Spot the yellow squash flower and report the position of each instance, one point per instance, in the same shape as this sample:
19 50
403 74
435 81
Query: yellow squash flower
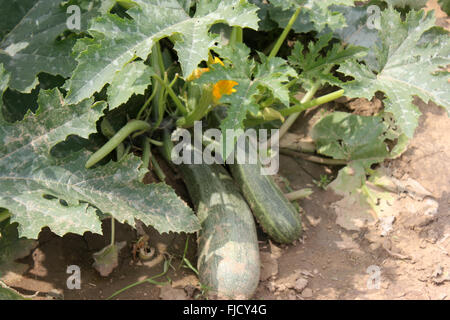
223 87
199 71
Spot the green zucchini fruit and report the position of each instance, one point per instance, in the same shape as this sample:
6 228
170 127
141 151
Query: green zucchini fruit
228 252
275 214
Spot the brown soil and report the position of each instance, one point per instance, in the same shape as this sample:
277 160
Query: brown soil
413 258
329 262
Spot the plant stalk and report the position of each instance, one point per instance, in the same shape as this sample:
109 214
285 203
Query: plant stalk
130 127
148 157
284 34
172 94
113 230
4 215
237 35
298 108
291 119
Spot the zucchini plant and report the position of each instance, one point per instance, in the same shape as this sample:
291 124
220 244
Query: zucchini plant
82 111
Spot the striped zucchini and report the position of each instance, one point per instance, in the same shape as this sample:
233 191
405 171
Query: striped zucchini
228 252
276 215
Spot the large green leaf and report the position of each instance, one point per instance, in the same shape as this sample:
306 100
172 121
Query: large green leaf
351 137
16 11
315 66
357 31
410 61
31 45
134 78
29 175
118 41
361 141
271 74
315 15
4 81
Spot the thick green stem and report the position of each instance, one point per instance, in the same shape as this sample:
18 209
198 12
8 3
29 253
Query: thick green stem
157 169
172 94
200 110
4 215
298 108
162 101
158 66
156 143
291 119
113 231
148 157
130 127
146 104
158 59
146 153
313 103
285 33
237 35
109 132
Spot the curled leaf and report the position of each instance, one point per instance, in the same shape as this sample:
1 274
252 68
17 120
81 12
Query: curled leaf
107 259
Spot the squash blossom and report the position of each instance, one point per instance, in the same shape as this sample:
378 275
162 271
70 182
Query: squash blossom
199 71
223 87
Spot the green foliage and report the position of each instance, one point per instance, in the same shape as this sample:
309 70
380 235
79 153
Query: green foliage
119 40
252 78
351 137
316 66
28 173
134 78
31 44
315 15
57 85
415 48
359 140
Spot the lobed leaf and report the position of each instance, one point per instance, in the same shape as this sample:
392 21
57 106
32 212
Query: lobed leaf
315 15
351 137
407 49
118 41
40 190
316 66
31 45
134 78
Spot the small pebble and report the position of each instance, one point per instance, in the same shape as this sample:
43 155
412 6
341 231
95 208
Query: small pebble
300 284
